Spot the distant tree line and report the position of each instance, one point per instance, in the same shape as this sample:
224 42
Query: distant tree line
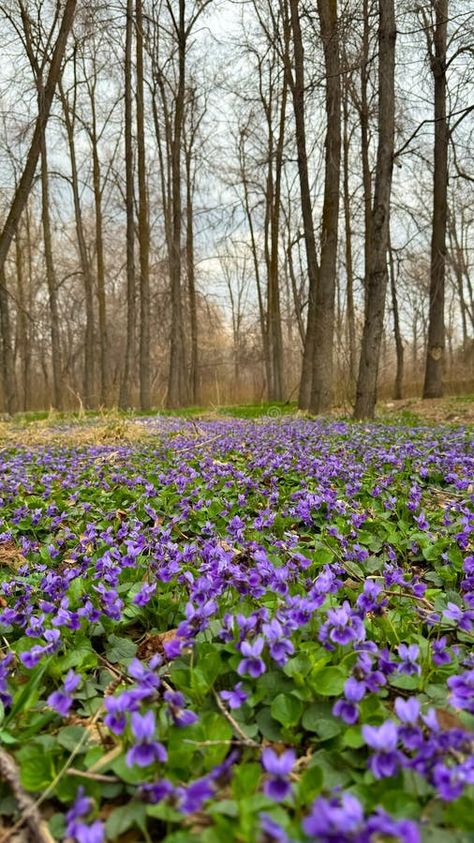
202 201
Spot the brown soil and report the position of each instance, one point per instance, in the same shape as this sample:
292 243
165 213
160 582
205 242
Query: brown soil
450 410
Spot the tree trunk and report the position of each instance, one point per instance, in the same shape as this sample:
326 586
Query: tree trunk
176 379
297 86
124 398
398 383
24 185
256 266
22 324
190 273
89 356
143 224
275 337
100 262
56 354
323 359
433 385
351 335
376 272
364 135
7 357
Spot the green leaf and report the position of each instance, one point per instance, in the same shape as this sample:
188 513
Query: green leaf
125 817
310 785
228 807
287 709
328 682
120 649
353 737
326 727
267 725
70 738
245 780
407 683
36 769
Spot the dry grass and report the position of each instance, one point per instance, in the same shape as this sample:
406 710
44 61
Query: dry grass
106 429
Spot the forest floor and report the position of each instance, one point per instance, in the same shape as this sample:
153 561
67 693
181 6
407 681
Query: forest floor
238 625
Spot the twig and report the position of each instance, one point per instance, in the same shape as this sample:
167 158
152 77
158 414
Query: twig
30 815
30 810
245 738
94 777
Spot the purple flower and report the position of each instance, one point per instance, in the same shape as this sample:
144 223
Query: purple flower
81 832
252 664
145 594
347 708
462 691
61 700
384 739
146 750
381 823
145 678
271 831
234 698
279 646
277 786
334 819
368 600
463 619
408 711
342 626
192 797
408 655
340 819
115 719
157 791
180 716
441 654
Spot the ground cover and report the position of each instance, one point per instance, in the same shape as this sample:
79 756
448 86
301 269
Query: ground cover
238 629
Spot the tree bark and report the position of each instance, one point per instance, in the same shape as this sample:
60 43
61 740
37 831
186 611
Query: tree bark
433 385
24 185
176 379
124 397
323 357
398 383
143 223
99 249
56 353
350 314
7 357
364 135
376 271
86 270
275 337
190 273
297 85
22 324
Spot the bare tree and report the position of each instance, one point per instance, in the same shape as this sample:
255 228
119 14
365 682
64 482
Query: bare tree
376 274
323 351
437 46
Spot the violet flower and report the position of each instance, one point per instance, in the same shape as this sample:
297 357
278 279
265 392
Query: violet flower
76 829
61 700
146 750
252 664
347 708
408 655
178 713
384 739
277 785
234 698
